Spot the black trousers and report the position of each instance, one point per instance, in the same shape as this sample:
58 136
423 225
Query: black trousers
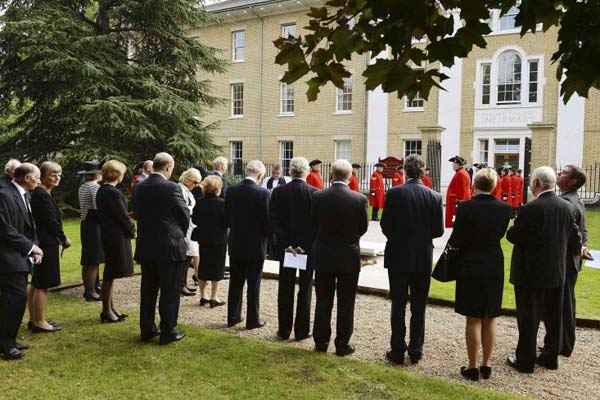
533 306
375 214
240 273
165 277
326 285
569 320
405 285
13 301
285 302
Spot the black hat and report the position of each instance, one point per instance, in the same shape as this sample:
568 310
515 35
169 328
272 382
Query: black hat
355 165
315 162
458 159
379 164
90 168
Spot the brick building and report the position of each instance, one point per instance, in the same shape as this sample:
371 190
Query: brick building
501 106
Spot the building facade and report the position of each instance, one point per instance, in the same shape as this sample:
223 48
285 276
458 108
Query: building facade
501 105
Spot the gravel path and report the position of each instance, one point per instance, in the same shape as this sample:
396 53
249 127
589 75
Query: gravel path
444 353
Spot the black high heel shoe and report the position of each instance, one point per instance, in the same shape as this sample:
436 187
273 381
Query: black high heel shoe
119 315
485 372
471 374
204 301
105 320
215 303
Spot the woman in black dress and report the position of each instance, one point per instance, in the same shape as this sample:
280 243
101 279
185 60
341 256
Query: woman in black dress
478 229
51 236
211 235
117 230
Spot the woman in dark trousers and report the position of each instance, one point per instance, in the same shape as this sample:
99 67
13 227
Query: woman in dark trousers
51 237
117 230
211 235
479 226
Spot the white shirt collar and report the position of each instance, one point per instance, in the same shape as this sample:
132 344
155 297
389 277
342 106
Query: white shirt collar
340 182
20 189
545 191
251 178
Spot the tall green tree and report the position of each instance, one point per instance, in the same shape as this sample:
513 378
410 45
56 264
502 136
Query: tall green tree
347 27
105 78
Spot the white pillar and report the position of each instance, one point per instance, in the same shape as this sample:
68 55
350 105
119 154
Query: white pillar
377 125
570 131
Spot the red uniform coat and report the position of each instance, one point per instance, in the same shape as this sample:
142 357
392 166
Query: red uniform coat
505 183
314 179
497 193
458 190
398 179
353 184
427 181
377 190
517 189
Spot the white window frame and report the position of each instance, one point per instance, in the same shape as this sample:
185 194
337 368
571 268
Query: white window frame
419 147
484 150
339 154
530 82
284 33
235 56
512 13
511 74
232 87
286 98
343 94
520 135
411 105
285 161
233 151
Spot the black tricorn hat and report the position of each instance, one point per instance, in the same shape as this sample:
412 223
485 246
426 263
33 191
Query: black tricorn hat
315 162
90 168
379 164
458 159
355 165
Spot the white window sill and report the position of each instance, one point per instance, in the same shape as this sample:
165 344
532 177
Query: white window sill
345 112
237 61
236 116
414 109
286 115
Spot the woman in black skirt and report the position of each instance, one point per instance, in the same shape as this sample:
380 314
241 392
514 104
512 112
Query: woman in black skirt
117 230
211 235
51 236
92 254
478 229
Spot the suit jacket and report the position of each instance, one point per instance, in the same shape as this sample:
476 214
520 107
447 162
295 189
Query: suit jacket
411 218
574 260
247 211
290 215
224 180
163 219
544 233
479 226
48 219
211 223
340 216
17 232
113 215
4 181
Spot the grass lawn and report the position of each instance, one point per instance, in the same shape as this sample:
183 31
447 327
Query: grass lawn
588 283
92 361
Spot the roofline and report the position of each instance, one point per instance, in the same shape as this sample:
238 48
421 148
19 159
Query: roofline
224 7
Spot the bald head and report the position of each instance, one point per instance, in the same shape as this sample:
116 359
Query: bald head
163 163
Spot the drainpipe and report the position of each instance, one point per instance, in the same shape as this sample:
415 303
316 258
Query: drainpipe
365 117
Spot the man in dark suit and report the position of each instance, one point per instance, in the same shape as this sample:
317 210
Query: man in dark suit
17 253
9 172
544 234
290 215
340 216
163 219
247 212
570 180
412 218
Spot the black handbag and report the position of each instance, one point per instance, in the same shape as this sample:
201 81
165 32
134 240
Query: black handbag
446 269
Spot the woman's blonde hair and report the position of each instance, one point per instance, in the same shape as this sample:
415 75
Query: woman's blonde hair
190 174
113 170
485 180
212 184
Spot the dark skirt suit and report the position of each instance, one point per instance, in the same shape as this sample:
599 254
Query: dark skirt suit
479 226
91 242
117 230
211 235
50 232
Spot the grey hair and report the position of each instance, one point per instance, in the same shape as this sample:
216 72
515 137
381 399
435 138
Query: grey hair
341 170
299 167
255 168
220 162
545 176
161 161
49 167
11 165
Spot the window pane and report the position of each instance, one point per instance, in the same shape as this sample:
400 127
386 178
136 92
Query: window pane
412 147
344 96
415 102
238 39
508 21
484 145
343 150
286 153
507 145
236 156
237 99
288 30
509 77
287 99
485 83
533 81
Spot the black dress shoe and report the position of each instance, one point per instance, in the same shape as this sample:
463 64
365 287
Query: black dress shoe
415 358
146 337
344 351
512 362
22 346
485 372
172 337
545 362
187 293
91 298
216 303
321 348
394 359
302 337
233 323
259 324
37 329
282 336
471 374
12 354
119 315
